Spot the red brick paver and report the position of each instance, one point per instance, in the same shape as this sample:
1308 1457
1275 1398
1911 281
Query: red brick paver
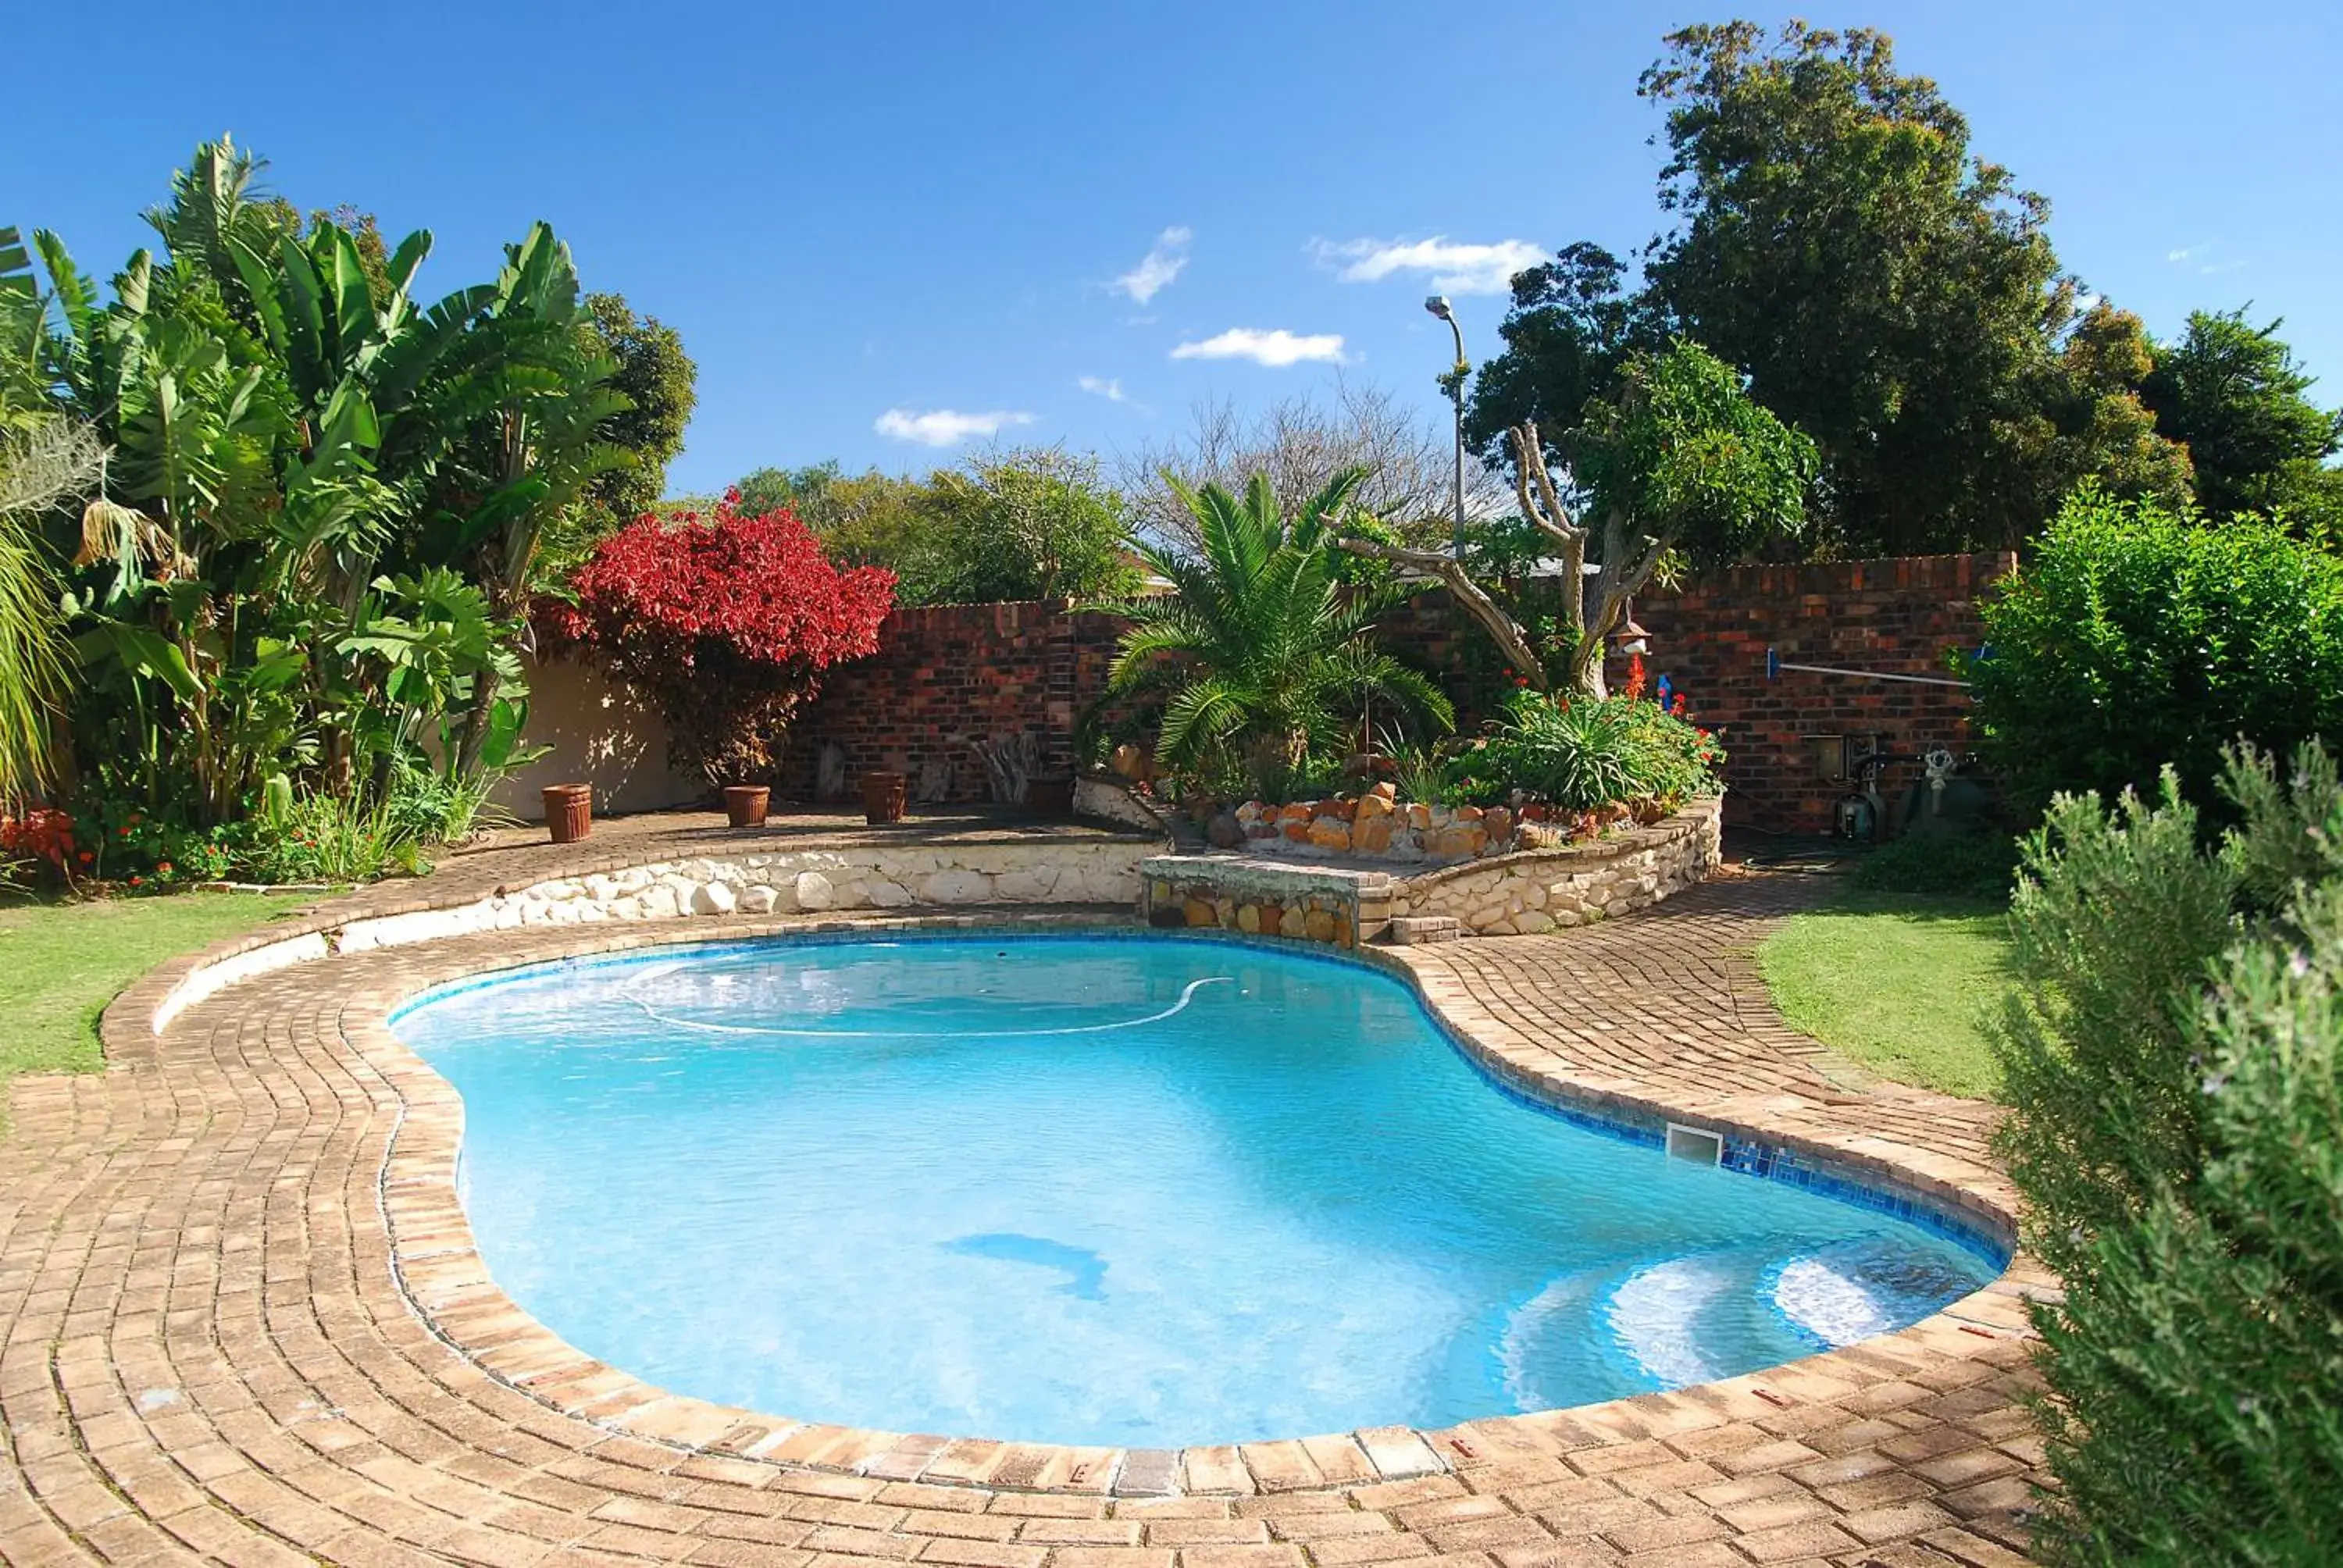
244 1324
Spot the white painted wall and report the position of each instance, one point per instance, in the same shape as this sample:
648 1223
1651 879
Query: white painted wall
601 734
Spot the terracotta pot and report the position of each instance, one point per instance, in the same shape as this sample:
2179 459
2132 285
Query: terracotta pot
882 797
568 811
1050 796
744 804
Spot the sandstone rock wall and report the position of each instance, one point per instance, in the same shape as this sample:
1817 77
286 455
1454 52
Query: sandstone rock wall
1543 890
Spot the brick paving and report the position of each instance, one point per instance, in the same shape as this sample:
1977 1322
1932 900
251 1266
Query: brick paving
243 1323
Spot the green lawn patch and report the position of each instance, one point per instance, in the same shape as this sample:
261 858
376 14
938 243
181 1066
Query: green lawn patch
1898 982
60 963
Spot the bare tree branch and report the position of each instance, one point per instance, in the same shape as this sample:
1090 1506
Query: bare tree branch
1300 444
1509 634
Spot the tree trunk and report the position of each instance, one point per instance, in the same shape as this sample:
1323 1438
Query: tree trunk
475 733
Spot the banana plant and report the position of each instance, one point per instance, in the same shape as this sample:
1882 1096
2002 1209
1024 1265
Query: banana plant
324 501
433 637
546 399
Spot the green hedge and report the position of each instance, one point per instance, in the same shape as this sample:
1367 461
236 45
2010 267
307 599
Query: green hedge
2136 638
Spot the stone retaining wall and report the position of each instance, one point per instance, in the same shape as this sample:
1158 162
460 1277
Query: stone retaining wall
1234 893
1505 895
1540 889
1054 870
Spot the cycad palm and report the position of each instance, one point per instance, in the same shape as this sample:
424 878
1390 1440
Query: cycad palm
1261 653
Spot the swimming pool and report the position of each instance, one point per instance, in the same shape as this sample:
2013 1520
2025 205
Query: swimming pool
1136 1191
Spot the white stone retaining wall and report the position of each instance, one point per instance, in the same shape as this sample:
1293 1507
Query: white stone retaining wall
1541 890
804 881
1055 870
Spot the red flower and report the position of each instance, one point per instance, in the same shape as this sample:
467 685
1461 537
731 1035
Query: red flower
164 869
138 881
84 856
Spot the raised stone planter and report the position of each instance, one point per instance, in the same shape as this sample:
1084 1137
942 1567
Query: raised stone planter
1542 890
1234 893
1376 826
1526 891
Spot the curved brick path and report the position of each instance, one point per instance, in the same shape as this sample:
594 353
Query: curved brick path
208 1356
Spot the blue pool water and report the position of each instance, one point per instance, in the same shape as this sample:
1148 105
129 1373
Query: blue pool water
1133 1190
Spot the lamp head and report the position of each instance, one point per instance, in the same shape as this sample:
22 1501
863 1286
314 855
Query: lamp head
1438 305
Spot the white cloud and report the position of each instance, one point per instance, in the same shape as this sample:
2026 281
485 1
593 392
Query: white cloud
1097 387
1277 349
2204 258
1158 267
944 427
1454 268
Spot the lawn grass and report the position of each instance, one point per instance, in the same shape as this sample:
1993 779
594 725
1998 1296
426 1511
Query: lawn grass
60 963
1897 983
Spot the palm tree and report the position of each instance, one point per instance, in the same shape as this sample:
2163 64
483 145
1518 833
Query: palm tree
1264 656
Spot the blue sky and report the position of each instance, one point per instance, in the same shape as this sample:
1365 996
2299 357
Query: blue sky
881 226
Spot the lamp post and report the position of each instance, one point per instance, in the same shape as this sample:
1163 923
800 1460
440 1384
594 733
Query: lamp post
1438 305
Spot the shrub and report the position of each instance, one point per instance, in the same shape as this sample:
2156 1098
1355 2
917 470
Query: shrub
2138 637
1262 659
1584 753
2175 1065
1960 865
326 837
726 624
1028 524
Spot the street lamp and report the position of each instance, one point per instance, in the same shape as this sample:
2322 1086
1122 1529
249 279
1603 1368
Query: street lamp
1438 305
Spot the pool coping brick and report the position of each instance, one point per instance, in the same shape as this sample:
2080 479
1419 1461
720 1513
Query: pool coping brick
244 1319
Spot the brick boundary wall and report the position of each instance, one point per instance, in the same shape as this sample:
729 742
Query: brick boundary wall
947 676
1897 615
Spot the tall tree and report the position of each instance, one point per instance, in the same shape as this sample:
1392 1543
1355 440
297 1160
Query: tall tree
1567 337
1677 465
2234 395
805 491
1885 291
659 382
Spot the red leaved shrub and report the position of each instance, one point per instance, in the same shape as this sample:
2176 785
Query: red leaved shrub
726 624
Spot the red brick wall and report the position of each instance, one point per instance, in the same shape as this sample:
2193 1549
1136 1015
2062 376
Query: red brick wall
950 675
1896 616
947 676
